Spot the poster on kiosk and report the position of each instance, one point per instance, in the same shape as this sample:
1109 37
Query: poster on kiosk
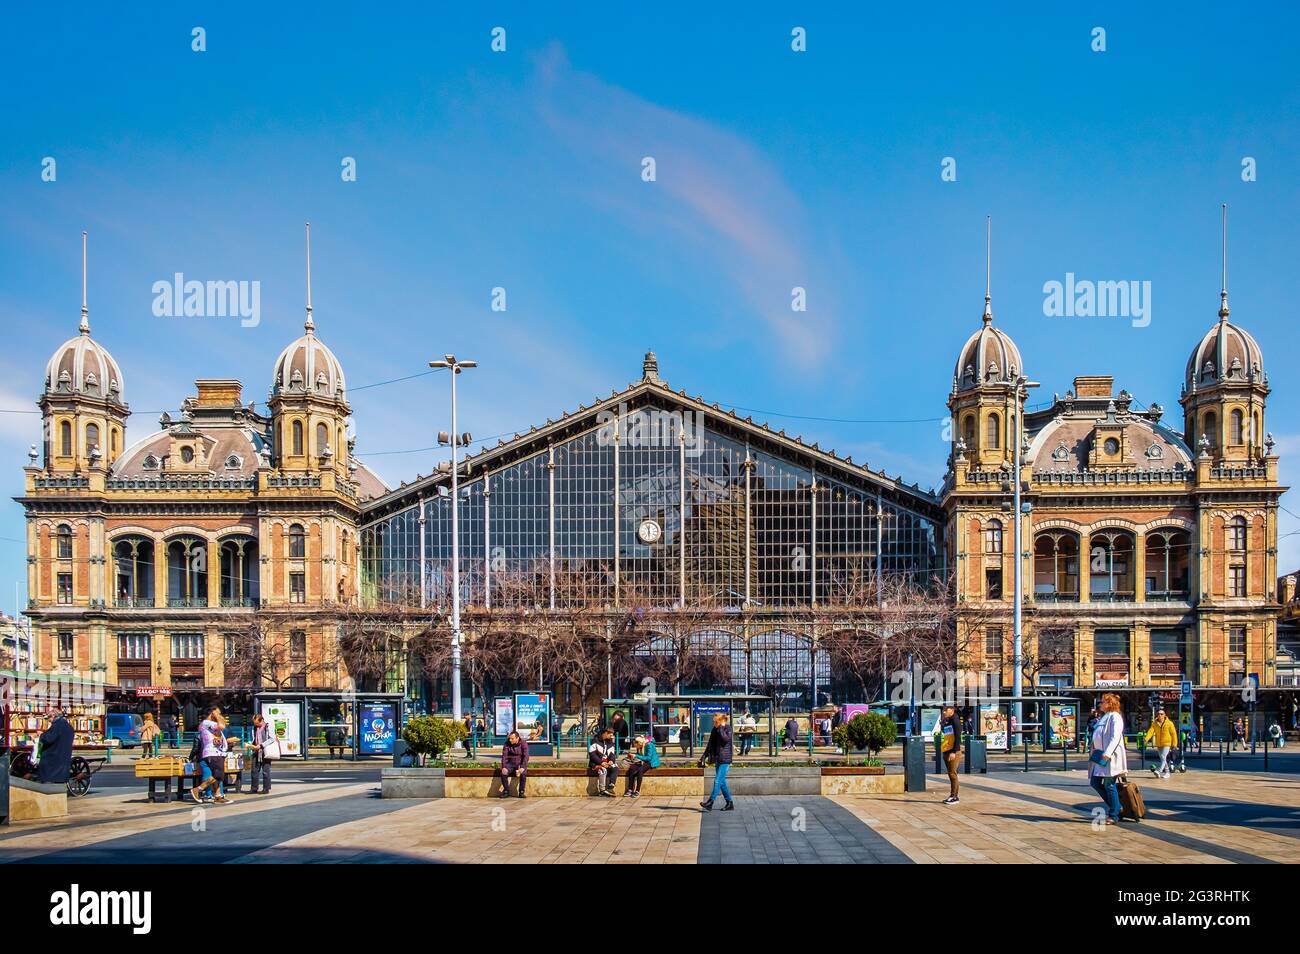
285 720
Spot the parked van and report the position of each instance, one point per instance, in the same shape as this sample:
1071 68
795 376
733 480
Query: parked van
125 727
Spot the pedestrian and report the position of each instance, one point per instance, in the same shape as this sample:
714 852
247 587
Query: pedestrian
514 761
747 725
602 761
1239 733
718 751
337 738
265 748
149 735
212 743
645 756
684 739
169 728
1275 733
469 728
791 733
1108 760
621 731
55 750
950 746
1164 737
557 727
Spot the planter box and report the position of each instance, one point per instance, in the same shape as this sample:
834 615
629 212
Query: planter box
770 780
666 781
412 783
569 782
860 780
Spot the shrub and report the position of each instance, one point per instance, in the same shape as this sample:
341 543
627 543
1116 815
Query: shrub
872 731
429 736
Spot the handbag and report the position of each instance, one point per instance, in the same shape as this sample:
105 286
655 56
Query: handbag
271 749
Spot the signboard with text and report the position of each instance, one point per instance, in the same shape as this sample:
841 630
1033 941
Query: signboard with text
376 728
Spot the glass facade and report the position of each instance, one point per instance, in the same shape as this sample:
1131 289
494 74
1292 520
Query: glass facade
657 510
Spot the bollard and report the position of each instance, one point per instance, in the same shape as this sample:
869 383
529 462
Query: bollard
1265 753
1065 758
1220 755
1025 741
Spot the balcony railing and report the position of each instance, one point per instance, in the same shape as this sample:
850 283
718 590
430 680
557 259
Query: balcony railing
133 602
1056 596
1112 596
187 602
1166 596
228 601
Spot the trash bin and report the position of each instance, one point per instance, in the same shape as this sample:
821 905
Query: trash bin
914 762
403 757
977 755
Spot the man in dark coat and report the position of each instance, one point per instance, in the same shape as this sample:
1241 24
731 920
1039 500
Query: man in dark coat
56 750
514 761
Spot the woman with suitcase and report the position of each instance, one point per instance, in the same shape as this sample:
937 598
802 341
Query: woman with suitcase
1108 760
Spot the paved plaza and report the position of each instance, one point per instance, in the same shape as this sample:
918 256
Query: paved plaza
335 815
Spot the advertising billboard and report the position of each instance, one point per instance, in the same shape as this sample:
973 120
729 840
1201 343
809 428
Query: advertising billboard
285 719
993 726
376 728
1062 725
533 716
503 716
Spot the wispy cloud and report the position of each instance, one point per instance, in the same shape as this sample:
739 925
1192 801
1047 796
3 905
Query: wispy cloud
721 200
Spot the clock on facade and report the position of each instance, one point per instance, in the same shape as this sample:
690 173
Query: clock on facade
649 531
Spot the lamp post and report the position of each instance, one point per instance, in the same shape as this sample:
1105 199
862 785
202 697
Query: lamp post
455 439
1017 648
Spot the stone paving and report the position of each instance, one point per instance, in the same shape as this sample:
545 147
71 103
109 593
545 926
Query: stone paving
1003 817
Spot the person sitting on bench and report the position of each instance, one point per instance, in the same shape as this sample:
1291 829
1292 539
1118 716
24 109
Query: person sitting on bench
602 761
514 761
645 756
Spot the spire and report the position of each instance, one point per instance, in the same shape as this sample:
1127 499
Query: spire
85 312
650 368
988 258
1223 292
309 324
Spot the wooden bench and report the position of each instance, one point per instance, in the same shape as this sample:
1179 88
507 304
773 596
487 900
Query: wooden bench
167 769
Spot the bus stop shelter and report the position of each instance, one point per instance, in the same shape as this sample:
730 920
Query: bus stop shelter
662 718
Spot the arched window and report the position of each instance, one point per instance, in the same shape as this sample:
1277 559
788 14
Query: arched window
134 559
297 542
65 439
1056 566
92 437
239 566
112 442
1237 533
65 542
297 438
968 431
1110 563
993 536
322 439
994 435
1168 556
1236 431
1210 427
187 572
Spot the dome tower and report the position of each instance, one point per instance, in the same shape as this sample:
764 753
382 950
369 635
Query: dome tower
81 405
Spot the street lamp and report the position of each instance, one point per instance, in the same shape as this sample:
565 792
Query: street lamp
455 440
1019 437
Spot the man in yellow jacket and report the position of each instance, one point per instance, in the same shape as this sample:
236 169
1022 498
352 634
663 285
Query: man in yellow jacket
1163 736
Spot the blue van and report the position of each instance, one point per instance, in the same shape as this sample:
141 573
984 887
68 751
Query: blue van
125 727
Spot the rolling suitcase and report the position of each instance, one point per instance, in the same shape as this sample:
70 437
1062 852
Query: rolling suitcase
1130 799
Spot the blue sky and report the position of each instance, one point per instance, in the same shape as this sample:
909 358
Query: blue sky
522 170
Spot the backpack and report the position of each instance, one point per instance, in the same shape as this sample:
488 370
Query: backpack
196 750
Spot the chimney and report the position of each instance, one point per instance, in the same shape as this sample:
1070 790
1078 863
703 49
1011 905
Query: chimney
1093 386
218 392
